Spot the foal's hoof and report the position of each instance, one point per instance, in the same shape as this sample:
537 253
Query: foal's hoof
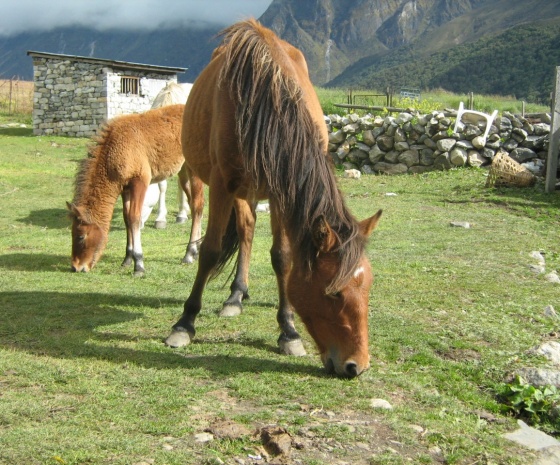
139 273
160 224
181 219
229 310
188 259
293 347
178 339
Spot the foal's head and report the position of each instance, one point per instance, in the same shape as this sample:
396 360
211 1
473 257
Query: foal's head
88 240
337 319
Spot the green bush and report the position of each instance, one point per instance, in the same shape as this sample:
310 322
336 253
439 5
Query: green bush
537 405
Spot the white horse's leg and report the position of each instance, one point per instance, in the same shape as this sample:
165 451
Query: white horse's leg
183 204
161 219
150 200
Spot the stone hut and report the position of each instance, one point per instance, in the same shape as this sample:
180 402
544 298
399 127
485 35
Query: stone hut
74 94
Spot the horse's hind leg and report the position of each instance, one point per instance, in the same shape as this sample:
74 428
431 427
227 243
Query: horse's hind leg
182 203
161 218
289 341
195 193
150 199
221 205
245 219
133 198
126 216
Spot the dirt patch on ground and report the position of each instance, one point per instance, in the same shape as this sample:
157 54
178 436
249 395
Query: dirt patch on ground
322 437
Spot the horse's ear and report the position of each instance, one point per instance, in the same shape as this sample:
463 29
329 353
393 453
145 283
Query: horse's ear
369 224
74 211
323 236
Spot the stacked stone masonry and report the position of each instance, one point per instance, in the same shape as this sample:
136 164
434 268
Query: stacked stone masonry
413 143
73 98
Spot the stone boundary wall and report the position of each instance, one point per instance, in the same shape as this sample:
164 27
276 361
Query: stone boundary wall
414 143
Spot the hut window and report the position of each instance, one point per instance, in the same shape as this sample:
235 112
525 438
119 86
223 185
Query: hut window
129 85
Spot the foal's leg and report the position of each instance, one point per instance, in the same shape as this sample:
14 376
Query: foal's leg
133 198
289 341
221 205
126 215
245 218
196 200
161 218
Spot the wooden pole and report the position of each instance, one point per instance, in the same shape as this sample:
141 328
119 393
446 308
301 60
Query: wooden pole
10 104
554 142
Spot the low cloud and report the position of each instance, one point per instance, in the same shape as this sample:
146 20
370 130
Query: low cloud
36 15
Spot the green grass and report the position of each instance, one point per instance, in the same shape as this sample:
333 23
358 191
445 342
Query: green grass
86 379
430 100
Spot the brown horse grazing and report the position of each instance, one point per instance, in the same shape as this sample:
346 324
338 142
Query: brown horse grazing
131 152
254 129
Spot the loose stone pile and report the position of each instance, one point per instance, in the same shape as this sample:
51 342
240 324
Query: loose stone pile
414 143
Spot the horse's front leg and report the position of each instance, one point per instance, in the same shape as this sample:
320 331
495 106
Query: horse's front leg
245 220
289 341
133 199
221 208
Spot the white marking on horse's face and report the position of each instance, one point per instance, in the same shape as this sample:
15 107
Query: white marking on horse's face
359 271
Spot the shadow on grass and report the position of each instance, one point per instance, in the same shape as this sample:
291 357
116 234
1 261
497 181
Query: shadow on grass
58 218
35 262
52 218
65 325
18 132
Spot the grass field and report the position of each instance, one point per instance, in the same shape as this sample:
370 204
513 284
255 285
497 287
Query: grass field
16 97
86 379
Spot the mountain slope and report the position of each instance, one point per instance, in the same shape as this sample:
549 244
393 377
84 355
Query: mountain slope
459 45
182 47
489 46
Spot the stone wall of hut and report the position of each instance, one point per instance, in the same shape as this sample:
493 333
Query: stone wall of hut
72 98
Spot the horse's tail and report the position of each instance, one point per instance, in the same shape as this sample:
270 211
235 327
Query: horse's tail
230 245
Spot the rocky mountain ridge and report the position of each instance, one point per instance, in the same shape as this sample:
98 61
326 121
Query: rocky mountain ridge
358 43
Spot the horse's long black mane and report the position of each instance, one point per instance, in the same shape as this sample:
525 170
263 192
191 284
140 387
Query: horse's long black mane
282 146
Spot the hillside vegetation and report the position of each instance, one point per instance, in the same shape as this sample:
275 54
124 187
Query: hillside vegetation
519 62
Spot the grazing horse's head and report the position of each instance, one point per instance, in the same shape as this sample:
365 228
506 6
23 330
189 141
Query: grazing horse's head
336 318
88 240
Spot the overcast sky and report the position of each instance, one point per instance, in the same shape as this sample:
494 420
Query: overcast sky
40 15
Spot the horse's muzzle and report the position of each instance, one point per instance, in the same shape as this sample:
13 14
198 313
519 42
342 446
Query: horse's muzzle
79 268
348 369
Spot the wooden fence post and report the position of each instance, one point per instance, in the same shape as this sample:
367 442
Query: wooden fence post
554 142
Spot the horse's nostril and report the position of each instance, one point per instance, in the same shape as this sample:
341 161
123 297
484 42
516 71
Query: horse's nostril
351 369
73 268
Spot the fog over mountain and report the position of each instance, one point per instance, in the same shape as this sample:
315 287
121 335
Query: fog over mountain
507 47
32 16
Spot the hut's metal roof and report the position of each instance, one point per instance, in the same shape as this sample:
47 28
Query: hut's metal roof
111 63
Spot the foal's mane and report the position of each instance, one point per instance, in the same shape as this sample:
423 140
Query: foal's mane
282 145
84 183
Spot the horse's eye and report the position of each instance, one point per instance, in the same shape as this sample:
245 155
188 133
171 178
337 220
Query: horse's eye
335 295
82 238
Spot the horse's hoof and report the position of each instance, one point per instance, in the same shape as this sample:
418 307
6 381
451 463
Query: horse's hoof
229 310
293 347
181 219
160 224
188 259
127 261
178 339
139 273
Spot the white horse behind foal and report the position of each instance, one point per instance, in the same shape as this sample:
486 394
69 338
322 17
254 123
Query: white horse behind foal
171 94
